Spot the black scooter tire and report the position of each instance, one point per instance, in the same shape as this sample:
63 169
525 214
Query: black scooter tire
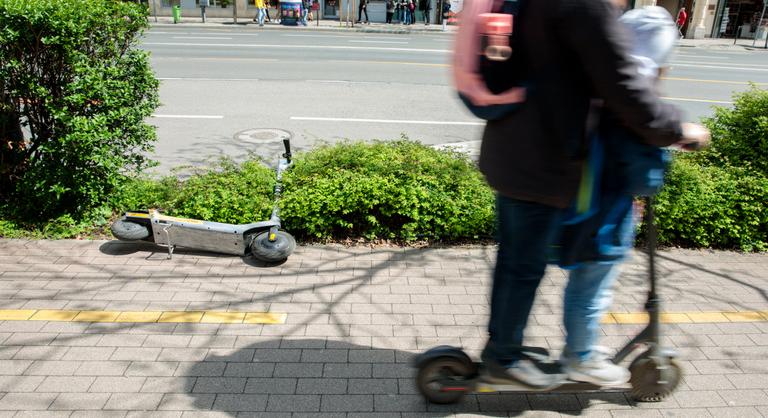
126 230
432 377
273 251
646 377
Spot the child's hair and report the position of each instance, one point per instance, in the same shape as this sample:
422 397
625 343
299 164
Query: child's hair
654 36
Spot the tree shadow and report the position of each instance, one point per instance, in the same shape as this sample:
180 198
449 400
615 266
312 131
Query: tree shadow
336 376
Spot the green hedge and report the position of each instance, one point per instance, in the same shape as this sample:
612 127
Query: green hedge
391 190
72 77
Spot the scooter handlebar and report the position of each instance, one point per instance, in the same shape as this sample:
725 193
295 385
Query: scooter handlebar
287 145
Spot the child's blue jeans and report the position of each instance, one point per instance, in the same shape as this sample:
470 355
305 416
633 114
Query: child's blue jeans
526 230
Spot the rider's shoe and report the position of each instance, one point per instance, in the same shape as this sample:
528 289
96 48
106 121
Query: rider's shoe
525 371
597 369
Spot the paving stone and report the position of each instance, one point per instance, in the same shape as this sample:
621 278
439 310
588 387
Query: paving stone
371 356
397 370
240 402
373 386
37 414
219 385
102 368
748 381
182 354
347 370
708 382
309 386
134 401
166 341
40 353
136 354
30 338
323 356
168 385
298 370
394 403
194 368
65 384
73 401
154 414
89 353
124 384
122 340
233 355
347 403
636 413
554 402
98 414
294 403
185 402
152 368
685 413
27 401
744 397
284 386
252 370
277 355
49 368
703 398
735 412
20 383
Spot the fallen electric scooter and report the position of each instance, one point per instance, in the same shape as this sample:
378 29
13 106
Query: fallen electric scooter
446 374
264 240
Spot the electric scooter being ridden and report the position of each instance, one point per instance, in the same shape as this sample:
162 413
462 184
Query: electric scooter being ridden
265 240
446 374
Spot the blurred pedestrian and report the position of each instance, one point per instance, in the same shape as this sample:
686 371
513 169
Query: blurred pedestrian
362 8
446 13
390 10
260 12
306 6
426 7
682 17
411 12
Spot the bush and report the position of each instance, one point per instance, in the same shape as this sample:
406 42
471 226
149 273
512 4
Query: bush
390 190
72 79
712 206
740 134
229 193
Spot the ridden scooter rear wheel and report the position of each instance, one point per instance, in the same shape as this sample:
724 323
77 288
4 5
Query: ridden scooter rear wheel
273 251
652 381
444 380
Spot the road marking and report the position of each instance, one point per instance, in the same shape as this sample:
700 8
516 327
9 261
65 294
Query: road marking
345 47
189 116
327 81
205 79
683 99
683 55
378 42
208 317
717 67
400 122
704 62
222 317
199 37
296 35
696 80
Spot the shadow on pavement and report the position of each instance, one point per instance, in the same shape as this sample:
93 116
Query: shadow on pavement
334 376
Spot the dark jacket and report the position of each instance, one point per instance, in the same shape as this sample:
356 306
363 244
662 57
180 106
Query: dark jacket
573 55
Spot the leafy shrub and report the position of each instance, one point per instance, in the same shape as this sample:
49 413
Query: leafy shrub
390 190
740 133
228 193
712 206
71 78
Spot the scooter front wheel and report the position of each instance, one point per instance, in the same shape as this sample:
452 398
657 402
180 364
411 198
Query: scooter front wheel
653 381
126 230
273 251
444 380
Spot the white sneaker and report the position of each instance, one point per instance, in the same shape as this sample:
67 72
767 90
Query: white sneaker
598 370
526 372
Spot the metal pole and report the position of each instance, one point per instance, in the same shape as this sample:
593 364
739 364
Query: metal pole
760 22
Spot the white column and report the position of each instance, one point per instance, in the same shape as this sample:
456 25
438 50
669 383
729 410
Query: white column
697 29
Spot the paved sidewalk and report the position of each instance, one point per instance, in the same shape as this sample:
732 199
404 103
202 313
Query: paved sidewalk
324 25
354 318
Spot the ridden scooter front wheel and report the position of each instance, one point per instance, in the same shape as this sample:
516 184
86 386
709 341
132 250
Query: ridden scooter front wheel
126 230
653 381
275 250
444 380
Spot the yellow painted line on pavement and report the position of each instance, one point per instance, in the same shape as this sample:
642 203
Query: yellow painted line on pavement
205 317
697 80
686 317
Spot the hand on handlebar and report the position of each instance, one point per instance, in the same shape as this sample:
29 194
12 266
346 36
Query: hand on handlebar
695 137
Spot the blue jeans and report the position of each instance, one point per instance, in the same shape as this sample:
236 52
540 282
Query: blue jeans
304 14
262 14
526 230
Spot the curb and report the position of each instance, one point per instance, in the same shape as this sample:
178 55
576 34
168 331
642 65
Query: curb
357 29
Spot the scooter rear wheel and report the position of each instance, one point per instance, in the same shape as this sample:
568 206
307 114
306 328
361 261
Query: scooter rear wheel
444 380
126 230
273 251
647 382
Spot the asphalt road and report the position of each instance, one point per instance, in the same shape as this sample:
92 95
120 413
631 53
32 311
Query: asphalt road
221 84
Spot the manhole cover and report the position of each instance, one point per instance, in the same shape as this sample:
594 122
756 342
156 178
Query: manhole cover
262 135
